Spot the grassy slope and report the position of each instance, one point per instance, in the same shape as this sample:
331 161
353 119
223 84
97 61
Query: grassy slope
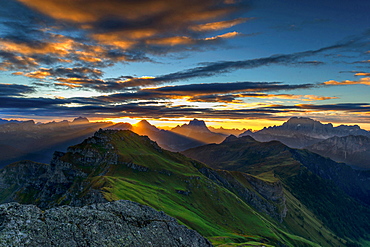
172 183
317 210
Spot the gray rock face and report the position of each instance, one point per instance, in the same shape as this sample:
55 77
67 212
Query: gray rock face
119 223
266 197
352 150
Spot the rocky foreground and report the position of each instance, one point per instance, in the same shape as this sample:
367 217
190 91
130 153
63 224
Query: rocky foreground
119 223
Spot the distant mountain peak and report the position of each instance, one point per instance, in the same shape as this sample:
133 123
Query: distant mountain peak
304 121
197 123
230 138
144 124
81 120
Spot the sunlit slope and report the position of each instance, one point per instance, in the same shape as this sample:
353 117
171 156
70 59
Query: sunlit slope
314 204
141 171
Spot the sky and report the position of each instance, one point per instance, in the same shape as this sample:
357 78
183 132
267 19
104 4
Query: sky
236 64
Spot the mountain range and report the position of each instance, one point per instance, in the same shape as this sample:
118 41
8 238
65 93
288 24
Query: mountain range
348 144
21 140
35 141
352 150
234 191
197 129
245 193
28 140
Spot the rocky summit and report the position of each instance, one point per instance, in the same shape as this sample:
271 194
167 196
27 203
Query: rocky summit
119 223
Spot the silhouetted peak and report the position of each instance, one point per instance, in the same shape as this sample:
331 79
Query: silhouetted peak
197 123
304 122
247 133
300 120
28 122
230 138
146 125
348 127
81 120
247 138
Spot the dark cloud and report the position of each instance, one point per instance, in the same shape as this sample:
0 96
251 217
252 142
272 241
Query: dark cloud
214 98
140 105
11 61
15 89
311 62
102 33
77 72
212 88
348 107
216 68
202 92
55 107
31 103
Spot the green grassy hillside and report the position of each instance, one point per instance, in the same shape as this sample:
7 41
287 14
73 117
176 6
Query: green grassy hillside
172 183
231 208
317 209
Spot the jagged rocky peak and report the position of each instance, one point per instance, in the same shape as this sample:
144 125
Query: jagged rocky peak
197 123
348 127
80 120
304 122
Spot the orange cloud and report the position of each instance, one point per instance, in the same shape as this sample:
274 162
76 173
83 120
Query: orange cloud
124 24
172 41
363 81
362 74
215 26
315 97
79 81
38 74
224 36
67 85
61 48
17 62
286 96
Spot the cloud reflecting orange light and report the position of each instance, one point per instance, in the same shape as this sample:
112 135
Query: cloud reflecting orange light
215 26
125 24
364 81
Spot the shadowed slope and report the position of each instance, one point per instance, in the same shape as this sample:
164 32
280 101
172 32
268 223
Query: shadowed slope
313 181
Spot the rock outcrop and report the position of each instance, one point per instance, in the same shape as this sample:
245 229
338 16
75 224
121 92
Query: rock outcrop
119 223
352 150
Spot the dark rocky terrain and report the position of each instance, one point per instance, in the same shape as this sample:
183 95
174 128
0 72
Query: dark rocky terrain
119 223
352 150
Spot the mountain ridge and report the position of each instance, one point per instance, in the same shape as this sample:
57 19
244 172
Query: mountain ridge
300 172
300 132
352 150
198 130
114 165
